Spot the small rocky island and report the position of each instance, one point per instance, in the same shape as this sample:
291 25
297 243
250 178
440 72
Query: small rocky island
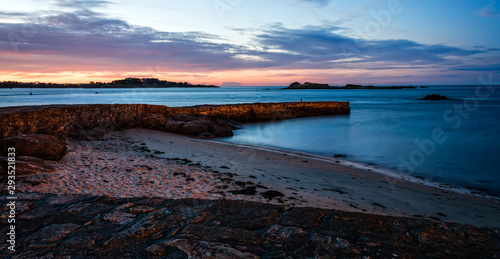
434 97
309 85
129 82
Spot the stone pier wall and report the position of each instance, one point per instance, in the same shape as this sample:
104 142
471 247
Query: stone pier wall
62 120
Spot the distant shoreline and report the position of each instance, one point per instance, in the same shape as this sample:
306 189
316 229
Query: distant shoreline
309 85
123 83
106 87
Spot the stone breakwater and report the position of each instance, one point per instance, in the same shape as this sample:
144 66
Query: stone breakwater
65 121
57 226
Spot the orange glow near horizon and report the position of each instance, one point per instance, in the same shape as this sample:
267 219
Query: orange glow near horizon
245 78
254 77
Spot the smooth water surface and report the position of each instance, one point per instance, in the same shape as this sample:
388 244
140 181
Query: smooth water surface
452 141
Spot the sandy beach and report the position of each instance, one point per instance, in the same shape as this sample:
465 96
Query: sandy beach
148 163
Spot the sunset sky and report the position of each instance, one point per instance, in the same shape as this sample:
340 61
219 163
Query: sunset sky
251 43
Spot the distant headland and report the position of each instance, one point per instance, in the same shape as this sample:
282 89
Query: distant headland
309 85
123 83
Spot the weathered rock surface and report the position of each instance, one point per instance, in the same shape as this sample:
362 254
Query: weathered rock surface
93 121
201 126
35 145
100 227
270 111
153 121
26 165
173 125
194 127
204 126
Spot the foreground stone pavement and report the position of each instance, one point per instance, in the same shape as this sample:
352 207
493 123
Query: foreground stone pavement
55 226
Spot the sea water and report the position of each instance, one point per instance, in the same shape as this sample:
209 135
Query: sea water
453 141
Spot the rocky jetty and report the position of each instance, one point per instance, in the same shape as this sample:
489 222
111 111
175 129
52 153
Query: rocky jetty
37 132
434 97
93 121
57 226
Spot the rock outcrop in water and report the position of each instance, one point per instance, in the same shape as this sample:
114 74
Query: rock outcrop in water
60 226
434 97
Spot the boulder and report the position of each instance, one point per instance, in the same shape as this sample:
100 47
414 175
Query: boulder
230 124
26 165
194 128
153 121
183 117
35 145
220 131
434 97
172 125
203 128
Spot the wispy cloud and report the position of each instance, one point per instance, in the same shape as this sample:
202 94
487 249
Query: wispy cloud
491 10
6 14
79 4
489 68
317 2
326 47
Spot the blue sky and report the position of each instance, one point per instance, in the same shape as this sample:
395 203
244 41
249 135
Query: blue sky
252 42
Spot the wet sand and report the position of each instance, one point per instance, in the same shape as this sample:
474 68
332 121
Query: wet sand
146 163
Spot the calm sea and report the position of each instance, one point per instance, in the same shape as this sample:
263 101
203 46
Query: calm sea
453 141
